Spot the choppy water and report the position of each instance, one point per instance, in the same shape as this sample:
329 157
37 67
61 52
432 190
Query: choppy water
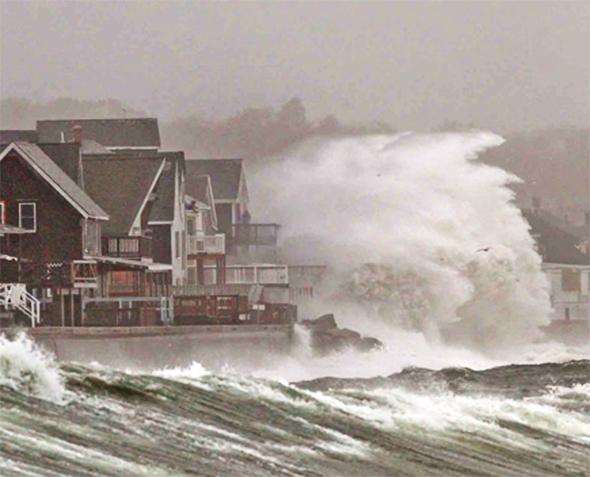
71 420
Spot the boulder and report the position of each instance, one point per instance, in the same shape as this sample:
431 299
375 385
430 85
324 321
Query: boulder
326 337
322 323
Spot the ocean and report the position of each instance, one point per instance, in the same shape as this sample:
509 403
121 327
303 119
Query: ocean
419 237
60 419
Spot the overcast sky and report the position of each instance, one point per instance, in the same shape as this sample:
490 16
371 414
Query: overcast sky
503 65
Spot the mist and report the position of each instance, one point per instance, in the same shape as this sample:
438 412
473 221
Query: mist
503 66
418 233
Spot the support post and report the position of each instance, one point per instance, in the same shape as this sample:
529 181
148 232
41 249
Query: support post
63 308
71 290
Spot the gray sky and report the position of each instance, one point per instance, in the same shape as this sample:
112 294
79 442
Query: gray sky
503 65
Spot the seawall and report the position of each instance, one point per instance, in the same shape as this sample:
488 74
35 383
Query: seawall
146 348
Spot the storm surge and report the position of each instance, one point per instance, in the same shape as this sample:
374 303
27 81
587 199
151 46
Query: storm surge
96 421
418 234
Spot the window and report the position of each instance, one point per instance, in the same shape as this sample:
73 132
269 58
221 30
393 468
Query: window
177 244
27 216
2 212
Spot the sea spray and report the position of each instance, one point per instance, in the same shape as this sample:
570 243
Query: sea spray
415 229
511 420
26 368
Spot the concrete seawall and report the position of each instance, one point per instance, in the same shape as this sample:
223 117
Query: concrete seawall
241 347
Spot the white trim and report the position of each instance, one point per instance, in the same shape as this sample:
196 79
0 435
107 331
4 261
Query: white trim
557 266
132 148
2 212
160 222
20 216
137 220
227 201
212 200
43 174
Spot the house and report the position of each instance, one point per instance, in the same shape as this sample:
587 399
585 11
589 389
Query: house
566 266
245 241
167 218
206 247
125 187
112 134
61 222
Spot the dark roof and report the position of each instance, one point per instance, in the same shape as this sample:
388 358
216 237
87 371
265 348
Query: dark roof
120 184
555 244
89 146
198 188
66 156
225 175
57 178
12 135
579 231
138 132
163 207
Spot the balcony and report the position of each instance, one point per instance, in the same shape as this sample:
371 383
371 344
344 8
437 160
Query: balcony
257 275
255 234
206 244
127 247
77 273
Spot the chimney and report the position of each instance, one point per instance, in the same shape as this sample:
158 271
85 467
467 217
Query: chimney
77 133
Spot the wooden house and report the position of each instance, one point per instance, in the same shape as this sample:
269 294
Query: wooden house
62 225
245 241
566 267
125 187
206 247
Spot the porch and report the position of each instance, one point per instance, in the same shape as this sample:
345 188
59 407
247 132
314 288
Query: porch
128 247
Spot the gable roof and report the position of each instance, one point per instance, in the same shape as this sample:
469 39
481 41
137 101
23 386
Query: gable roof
164 206
66 156
121 185
555 244
137 132
225 175
12 135
198 188
58 179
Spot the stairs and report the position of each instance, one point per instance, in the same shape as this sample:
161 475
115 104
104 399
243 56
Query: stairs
14 296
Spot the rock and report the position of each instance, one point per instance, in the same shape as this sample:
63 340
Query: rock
322 323
326 337
368 343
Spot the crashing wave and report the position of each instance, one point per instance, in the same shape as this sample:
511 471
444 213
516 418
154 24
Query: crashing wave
28 369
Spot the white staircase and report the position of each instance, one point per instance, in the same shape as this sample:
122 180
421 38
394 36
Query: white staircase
15 296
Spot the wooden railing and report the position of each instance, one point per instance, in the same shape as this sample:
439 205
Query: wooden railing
16 296
127 247
257 274
206 244
77 273
255 234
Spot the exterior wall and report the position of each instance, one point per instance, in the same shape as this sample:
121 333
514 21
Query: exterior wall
570 291
224 218
59 235
161 243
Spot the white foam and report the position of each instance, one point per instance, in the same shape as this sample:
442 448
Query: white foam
26 368
445 240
